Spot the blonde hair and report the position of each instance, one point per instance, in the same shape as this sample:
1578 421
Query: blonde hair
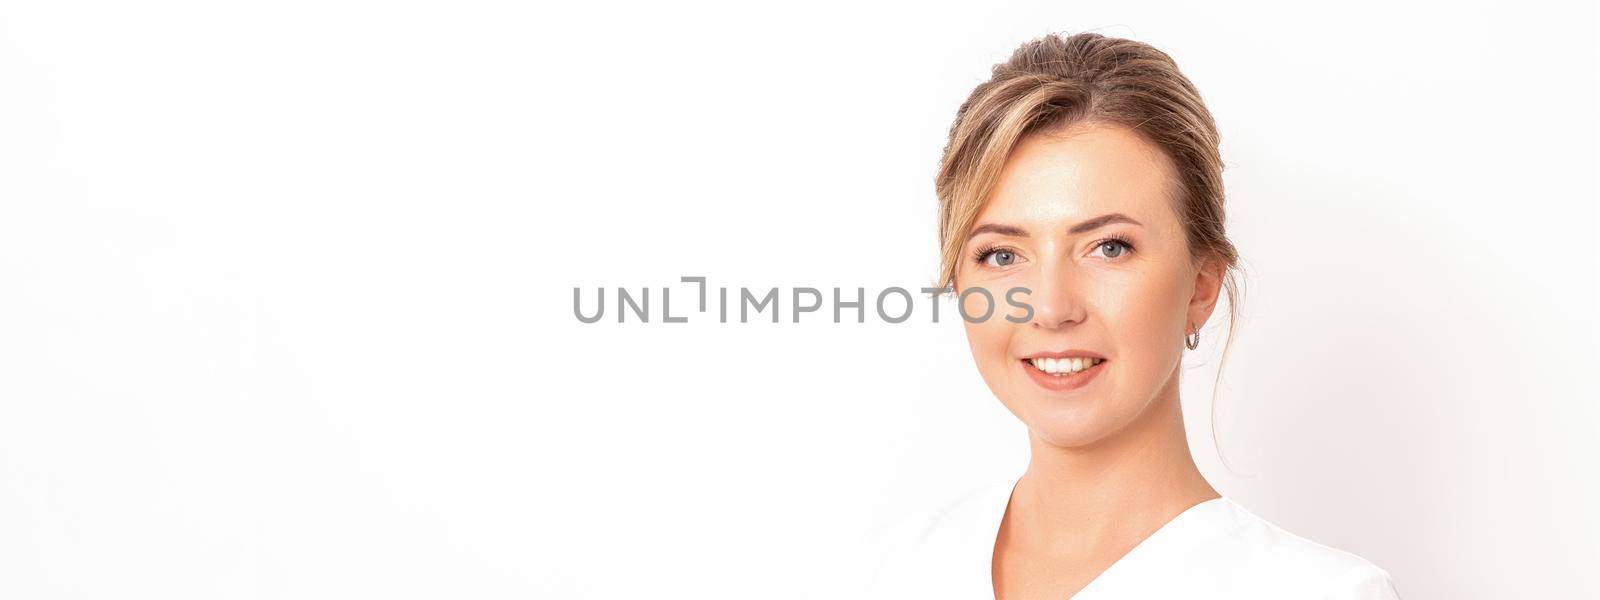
1057 82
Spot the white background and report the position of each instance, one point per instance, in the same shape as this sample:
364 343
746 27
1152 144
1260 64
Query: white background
286 292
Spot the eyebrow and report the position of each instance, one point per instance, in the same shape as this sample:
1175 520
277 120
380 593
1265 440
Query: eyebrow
1089 225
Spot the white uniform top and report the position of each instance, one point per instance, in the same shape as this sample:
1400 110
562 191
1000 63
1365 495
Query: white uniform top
1215 549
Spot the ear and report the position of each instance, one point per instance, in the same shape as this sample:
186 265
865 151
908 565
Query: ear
1207 288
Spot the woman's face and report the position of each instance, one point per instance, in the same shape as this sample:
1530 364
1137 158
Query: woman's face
1084 218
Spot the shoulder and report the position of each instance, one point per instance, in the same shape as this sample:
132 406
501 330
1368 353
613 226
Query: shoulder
1270 559
974 510
941 546
952 519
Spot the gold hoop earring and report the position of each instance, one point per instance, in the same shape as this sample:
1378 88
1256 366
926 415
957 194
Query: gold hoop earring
1194 344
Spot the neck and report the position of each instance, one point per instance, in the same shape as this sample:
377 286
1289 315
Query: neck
1114 491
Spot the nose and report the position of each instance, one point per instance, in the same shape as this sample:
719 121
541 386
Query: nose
1057 299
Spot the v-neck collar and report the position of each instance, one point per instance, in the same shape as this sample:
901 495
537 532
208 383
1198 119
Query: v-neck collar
1167 537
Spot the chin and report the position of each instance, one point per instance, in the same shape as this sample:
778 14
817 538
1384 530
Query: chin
1062 419
1070 426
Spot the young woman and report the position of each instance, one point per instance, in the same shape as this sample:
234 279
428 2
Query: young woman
1087 171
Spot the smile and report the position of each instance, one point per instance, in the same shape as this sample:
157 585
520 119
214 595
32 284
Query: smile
1064 366
1063 374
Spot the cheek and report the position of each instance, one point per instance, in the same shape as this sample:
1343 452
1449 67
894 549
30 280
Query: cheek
1145 313
989 339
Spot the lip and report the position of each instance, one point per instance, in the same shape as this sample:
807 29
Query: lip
1063 383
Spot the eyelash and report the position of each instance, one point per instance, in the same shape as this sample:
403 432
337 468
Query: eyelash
983 252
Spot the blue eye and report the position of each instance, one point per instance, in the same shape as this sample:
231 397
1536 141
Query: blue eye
991 256
1122 246
1000 258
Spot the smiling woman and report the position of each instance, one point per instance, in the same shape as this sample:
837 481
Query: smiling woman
1087 171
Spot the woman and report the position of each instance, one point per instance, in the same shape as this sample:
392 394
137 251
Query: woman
1086 170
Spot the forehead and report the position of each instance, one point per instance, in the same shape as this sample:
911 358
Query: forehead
1079 173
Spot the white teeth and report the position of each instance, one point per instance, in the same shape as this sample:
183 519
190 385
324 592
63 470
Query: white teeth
1061 366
